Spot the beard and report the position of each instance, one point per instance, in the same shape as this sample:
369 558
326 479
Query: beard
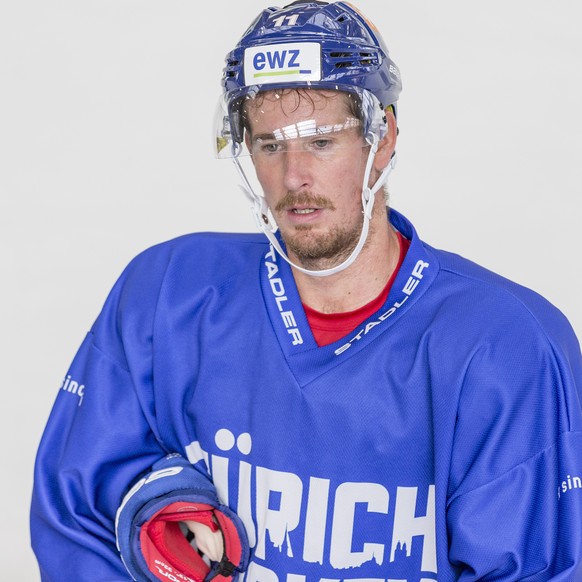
322 251
318 251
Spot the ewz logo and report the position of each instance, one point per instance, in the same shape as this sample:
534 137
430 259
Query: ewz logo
281 62
284 62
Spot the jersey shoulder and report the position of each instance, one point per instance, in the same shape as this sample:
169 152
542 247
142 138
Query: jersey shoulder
507 303
205 246
204 256
183 270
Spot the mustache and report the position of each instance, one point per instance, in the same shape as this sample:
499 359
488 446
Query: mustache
305 199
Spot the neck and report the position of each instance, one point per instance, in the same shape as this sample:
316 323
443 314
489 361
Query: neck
362 281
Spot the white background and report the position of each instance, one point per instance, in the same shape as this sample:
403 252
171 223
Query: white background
105 148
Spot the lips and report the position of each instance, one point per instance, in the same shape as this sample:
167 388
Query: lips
303 203
303 215
303 210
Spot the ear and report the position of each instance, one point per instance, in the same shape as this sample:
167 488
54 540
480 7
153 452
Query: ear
387 144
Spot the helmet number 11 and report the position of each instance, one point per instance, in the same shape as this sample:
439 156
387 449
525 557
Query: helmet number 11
291 20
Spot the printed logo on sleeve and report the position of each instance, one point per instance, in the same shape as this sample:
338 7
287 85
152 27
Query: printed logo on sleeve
73 387
283 63
571 482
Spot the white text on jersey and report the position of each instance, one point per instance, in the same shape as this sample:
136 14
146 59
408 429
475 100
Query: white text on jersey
278 290
315 521
408 289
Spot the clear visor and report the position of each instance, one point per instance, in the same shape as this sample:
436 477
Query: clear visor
264 125
322 141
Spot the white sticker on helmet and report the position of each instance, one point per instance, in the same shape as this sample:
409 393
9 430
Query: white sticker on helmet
282 63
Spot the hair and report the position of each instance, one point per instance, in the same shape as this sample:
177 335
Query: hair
351 100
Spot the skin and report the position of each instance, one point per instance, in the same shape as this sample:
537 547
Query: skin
208 542
316 198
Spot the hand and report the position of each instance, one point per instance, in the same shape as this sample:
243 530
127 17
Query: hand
209 542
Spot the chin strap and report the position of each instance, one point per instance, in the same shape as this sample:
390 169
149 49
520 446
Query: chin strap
267 225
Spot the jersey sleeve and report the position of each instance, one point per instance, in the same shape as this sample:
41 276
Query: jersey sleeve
515 498
100 437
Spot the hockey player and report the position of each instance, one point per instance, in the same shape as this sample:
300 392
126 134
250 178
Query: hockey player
337 400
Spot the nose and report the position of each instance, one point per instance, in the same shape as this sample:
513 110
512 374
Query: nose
297 170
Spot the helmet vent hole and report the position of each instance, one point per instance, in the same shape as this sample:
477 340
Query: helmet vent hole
344 60
366 59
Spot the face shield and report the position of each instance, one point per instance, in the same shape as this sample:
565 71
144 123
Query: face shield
248 127
258 131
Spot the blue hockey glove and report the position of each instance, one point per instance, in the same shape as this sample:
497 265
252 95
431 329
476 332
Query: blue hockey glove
151 540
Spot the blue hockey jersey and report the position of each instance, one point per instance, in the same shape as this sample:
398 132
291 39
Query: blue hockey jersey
440 440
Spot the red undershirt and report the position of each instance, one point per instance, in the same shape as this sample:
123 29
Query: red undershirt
329 327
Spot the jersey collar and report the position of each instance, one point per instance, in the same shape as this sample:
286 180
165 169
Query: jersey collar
305 358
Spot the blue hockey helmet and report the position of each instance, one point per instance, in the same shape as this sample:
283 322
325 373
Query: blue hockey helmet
318 45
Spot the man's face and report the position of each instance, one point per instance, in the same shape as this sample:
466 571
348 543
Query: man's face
310 158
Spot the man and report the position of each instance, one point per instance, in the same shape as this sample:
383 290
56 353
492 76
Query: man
353 403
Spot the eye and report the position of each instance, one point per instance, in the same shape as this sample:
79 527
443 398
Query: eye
321 143
270 147
267 147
